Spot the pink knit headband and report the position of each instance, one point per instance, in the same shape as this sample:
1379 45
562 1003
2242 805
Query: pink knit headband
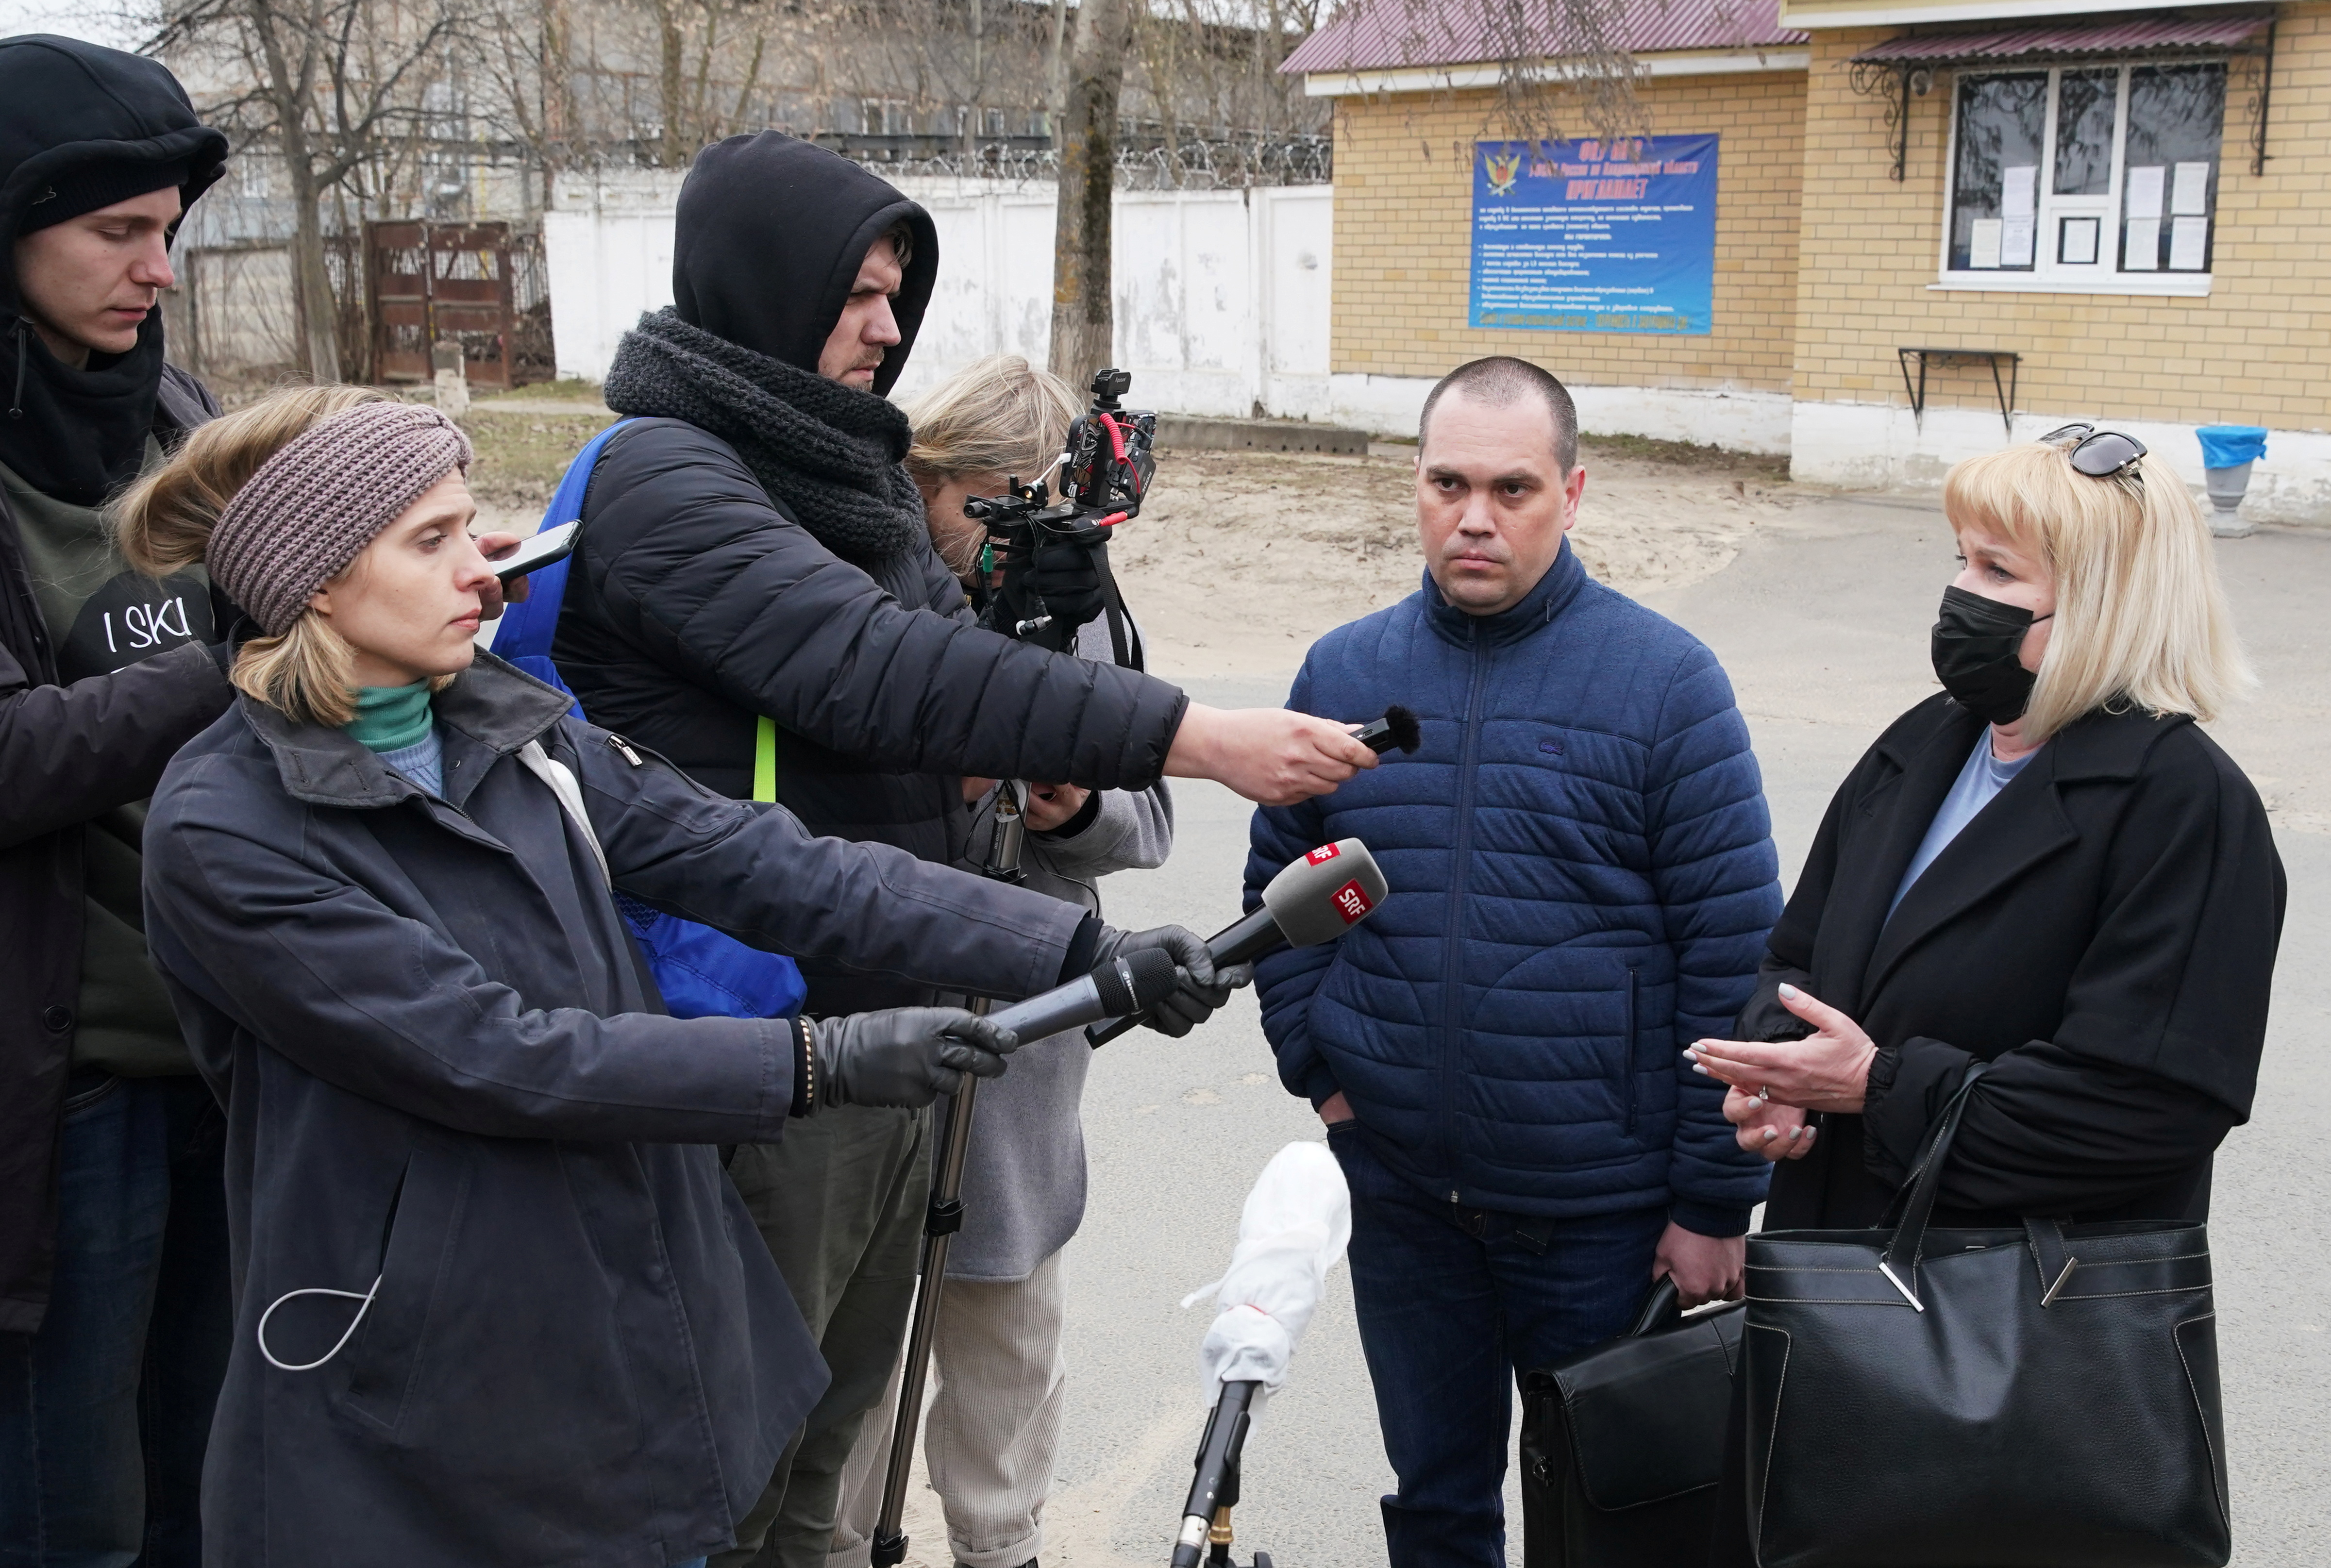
313 507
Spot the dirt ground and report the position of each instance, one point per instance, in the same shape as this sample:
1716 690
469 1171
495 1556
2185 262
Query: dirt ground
1240 560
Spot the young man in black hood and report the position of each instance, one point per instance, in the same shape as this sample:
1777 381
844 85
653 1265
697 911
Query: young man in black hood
755 596
114 1249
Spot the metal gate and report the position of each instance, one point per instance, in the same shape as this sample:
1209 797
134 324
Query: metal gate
441 282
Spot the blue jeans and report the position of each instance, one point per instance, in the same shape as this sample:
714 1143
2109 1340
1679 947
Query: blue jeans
1451 1301
104 1414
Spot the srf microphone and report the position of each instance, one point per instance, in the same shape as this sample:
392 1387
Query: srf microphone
1315 899
1134 982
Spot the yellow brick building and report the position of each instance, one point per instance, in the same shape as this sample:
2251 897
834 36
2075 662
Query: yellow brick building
2109 198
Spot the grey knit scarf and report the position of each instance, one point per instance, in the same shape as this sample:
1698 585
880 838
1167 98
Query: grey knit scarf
829 453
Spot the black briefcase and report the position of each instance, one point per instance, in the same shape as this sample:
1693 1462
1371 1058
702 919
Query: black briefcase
2043 1397
1623 1445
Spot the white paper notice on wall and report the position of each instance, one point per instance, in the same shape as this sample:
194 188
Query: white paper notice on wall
2015 242
1983 245
2144 251
2145 192
2189 196
2018 184
2189 242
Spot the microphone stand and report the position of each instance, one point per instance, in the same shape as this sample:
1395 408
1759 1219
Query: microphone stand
943 1218
1214 1490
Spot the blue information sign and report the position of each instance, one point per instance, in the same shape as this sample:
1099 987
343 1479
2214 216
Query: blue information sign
1593 236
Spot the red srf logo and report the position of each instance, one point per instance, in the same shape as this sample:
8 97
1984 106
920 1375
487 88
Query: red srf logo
1350 902
1322 855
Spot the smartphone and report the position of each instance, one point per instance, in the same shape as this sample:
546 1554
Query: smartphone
551 545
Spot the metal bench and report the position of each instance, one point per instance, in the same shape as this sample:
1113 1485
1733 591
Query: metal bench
1993 357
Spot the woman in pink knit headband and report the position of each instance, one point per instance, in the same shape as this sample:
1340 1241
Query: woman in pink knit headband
497 1301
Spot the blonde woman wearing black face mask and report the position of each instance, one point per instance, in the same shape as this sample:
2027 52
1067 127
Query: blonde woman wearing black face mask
2048 868
496 1300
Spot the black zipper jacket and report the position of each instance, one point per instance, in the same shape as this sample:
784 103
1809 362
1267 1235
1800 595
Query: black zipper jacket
697 603
67 753
71 753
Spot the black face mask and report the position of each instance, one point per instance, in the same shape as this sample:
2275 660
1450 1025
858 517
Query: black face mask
1975 647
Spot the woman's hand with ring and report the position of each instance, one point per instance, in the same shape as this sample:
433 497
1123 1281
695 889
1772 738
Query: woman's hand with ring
1829 1071
1767 1127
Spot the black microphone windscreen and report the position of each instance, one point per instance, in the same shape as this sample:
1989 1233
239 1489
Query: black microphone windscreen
1151 972
1396 730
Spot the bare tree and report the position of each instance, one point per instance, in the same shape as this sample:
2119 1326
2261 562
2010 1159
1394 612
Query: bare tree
1083 318
527 53
336 86
1056 64
692 36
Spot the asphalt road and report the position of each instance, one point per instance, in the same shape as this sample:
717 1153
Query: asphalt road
1822 625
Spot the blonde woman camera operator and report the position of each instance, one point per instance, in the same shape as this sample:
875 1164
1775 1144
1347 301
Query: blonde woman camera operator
995 1426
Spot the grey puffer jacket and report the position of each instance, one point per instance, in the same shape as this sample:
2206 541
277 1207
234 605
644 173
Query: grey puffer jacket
449 1082
1023 1178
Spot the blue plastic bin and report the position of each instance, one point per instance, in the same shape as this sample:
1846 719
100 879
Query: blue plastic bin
2231 446
2227 452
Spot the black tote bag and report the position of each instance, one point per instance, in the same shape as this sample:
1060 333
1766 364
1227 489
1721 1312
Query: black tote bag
1623 1445
2044 1397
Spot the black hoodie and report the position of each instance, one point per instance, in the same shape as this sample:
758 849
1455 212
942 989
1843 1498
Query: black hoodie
749 266
64 105
709 591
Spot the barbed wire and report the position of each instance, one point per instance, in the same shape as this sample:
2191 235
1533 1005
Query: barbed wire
1188 165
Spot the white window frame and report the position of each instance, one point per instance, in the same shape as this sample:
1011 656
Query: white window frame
2048 276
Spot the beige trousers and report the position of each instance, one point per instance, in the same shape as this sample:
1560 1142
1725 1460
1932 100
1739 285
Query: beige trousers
993 1430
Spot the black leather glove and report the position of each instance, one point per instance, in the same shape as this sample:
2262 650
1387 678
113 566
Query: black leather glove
1060 578
1202 990
907 1056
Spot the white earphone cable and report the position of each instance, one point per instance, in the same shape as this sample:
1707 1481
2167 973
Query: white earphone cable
364 1296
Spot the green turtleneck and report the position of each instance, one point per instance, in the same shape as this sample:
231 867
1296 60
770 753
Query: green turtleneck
391 717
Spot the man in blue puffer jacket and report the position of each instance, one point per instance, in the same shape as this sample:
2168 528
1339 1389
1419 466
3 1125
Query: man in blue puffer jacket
1582 875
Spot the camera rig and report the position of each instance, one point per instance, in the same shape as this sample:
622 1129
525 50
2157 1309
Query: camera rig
1104 473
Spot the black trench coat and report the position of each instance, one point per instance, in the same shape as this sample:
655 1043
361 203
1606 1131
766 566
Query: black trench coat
2103 932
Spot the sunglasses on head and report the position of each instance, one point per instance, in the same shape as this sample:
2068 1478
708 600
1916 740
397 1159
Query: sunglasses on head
2098 453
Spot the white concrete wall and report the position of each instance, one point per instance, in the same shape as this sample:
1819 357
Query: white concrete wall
1754 421
1878 446
606 245
1221 296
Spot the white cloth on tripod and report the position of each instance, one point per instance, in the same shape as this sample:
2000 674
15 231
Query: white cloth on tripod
1292 1231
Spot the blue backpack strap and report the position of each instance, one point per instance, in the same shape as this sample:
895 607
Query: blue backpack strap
523 636
701 972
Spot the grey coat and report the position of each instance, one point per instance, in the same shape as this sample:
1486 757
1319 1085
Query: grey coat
1023 1179
448 1080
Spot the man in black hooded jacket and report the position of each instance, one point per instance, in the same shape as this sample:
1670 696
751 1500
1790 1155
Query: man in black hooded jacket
113 1253
754 595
